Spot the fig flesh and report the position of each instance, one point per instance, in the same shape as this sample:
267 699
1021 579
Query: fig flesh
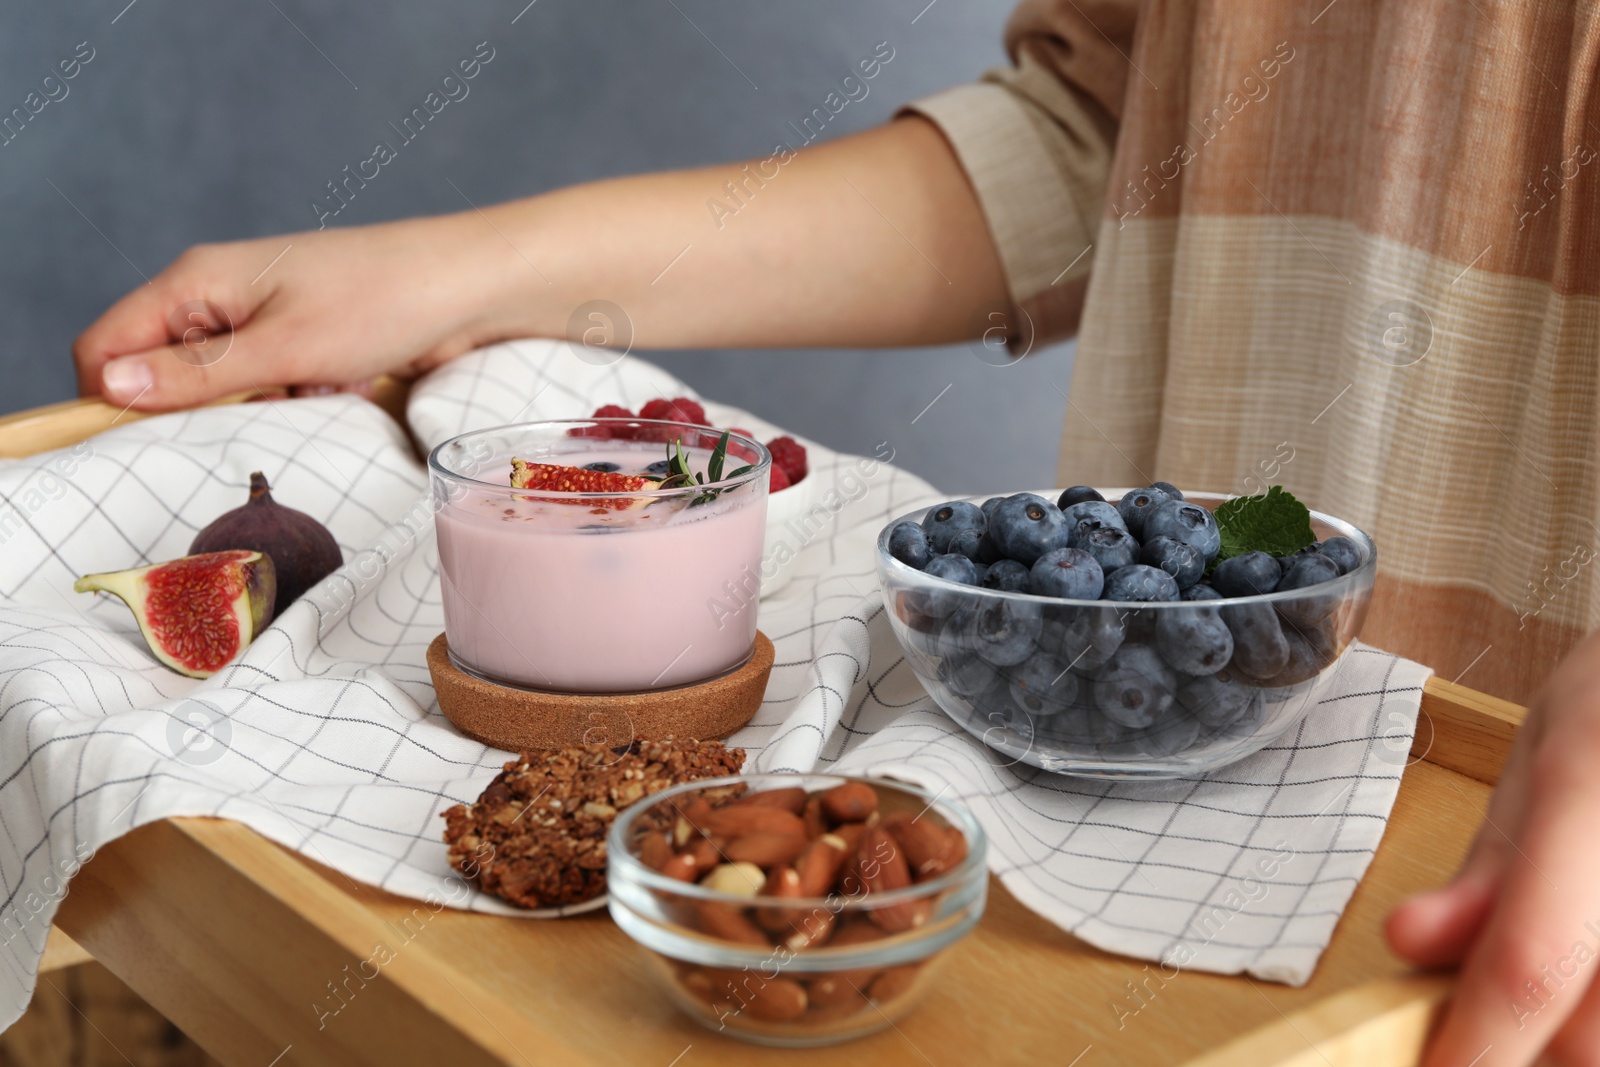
302 550
196 613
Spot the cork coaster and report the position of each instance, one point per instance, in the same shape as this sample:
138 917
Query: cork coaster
522 719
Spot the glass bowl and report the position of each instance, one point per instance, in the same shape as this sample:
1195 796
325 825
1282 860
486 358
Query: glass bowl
598 592
1101 657
765 962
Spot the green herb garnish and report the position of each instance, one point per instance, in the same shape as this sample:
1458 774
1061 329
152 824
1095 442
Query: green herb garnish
681 474
1273 522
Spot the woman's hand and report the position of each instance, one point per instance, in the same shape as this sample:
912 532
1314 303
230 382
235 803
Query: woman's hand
320 309
871 239
1522 917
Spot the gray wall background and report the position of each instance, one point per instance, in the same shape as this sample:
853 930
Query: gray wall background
211 121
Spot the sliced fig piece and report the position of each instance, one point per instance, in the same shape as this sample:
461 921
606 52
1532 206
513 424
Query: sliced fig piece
302 550
555 478
198 612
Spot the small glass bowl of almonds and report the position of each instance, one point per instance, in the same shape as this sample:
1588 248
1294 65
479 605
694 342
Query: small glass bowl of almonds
796 909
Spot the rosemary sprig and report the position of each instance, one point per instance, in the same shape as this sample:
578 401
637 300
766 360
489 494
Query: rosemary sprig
681 474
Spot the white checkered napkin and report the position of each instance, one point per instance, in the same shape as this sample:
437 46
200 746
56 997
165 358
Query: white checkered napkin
325 735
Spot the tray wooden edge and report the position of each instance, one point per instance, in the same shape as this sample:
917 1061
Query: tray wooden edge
1383 1023
1464 730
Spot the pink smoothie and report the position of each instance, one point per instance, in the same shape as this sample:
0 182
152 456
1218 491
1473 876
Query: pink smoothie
554 596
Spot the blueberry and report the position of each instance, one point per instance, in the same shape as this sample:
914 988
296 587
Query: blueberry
1309 608
604 466
661 468
1083 639
968 676
954 631
1093 514
1008 576
1259 648
1168 737
1110 547
1134 688
1027 526
966 543
1041 686
1134 506
1069 573
988 506
1200 591
1004 630
1344 553
1310 651
1193 640
981 570
1077 495
1307 571
1142 583
944 522
988 551
952 568
1189 523
1251 574
1286 562
1216 699
1167 488
909 545
1181 560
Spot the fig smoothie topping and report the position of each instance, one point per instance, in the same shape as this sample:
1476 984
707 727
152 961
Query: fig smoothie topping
555 478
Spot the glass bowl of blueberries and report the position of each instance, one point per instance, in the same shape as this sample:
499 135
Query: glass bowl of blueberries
1143 633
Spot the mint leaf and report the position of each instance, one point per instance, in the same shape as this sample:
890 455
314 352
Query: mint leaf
1273 522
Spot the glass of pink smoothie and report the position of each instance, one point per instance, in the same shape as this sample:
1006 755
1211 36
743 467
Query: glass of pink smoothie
617 591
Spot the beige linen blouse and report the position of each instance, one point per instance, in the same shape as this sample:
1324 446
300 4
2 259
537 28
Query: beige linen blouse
1347 246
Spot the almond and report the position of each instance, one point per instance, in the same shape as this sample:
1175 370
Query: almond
881 866
809 930
929 848
705 854
791 799
766 849
682 867
840 987
850 802
844 1008
782 884
739 879
893 983
728 922
654 851
775 1000
733 822
820 864
816 823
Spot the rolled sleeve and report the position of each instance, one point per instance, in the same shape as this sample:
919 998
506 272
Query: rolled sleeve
1035 141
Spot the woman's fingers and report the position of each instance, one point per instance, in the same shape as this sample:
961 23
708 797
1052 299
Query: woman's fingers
1527 971
1435 929
189 308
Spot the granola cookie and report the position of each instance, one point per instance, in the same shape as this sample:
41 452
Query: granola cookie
537 835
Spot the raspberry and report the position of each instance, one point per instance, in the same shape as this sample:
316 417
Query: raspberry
736 449
790 455
590 431
612 411
681 409
777 479
606 411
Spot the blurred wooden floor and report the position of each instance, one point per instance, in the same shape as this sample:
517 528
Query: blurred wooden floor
82 1016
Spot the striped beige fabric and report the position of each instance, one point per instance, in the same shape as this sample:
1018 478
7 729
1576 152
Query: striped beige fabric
1352 248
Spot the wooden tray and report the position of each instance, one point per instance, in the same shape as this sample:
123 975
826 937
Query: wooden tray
239 942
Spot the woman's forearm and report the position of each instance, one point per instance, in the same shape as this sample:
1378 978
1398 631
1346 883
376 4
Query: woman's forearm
874 239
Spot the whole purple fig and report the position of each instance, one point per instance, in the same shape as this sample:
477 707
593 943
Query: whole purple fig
302 550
